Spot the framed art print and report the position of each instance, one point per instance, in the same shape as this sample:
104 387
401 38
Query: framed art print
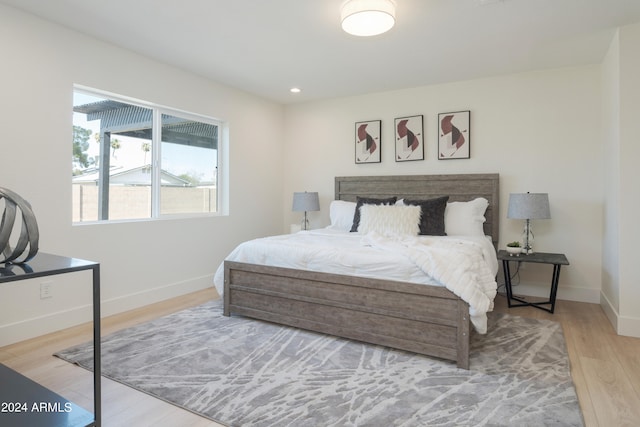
454 135
409 138
368 141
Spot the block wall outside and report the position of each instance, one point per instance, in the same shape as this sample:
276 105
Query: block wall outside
134 202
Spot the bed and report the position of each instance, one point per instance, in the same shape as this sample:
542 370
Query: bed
420 318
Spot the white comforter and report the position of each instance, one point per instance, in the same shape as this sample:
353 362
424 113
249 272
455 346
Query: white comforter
467 266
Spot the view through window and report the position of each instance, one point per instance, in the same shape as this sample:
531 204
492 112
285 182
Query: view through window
139 161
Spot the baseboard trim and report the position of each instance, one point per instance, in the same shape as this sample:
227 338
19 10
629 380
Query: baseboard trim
151 296
623 325
609 311
629 327
38 326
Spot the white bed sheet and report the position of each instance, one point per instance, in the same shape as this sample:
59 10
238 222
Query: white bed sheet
375 256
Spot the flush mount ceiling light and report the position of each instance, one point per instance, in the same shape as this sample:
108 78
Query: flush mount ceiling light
368 17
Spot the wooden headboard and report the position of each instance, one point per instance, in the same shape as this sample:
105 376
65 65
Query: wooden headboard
459 188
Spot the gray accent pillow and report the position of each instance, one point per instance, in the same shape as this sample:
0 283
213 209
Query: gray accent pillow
432 219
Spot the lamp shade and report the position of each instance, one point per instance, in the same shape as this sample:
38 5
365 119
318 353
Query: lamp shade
529 206
305 202
367 17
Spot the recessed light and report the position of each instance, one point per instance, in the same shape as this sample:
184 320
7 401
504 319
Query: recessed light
295 90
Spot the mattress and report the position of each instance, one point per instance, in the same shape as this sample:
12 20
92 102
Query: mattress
465 265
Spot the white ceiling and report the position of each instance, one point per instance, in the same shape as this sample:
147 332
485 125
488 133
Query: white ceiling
268 46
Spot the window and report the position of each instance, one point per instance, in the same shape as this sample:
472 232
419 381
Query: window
134 160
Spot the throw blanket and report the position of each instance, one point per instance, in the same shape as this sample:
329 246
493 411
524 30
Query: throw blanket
466 265
456 264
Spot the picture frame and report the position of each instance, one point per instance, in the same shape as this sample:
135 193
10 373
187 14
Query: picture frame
368 143
409 138
454 135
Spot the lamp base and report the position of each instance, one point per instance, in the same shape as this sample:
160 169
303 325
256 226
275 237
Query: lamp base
527 239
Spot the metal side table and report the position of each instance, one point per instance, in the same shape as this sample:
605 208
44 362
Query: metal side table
43 265
556 260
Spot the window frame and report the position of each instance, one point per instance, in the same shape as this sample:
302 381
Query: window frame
156 158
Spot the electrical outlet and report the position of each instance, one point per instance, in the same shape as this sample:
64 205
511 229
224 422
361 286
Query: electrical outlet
45 290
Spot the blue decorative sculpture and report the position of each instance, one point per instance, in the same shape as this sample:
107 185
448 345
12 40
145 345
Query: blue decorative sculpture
28 232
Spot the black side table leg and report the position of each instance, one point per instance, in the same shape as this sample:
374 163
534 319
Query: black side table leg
97 364
507 280
554 286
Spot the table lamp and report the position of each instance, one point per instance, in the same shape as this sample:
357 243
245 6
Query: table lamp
528 206
305 202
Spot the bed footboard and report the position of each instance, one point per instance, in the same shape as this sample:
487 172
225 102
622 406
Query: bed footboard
424 319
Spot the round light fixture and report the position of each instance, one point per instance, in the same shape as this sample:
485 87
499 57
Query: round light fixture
367 17
295 90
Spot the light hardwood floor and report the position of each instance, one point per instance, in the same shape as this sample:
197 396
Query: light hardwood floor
605 366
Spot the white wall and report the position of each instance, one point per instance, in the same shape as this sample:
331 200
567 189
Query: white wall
540 131
141 262
610 295
629 180
621 287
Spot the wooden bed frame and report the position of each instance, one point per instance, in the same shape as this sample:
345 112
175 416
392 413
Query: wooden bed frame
424 319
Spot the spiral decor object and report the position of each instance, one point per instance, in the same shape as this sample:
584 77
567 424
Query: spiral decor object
28 233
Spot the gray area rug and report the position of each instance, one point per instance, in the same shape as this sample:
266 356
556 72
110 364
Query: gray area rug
243 372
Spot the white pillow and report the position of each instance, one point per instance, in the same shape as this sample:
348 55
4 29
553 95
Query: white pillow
390 219
341 214
465 218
